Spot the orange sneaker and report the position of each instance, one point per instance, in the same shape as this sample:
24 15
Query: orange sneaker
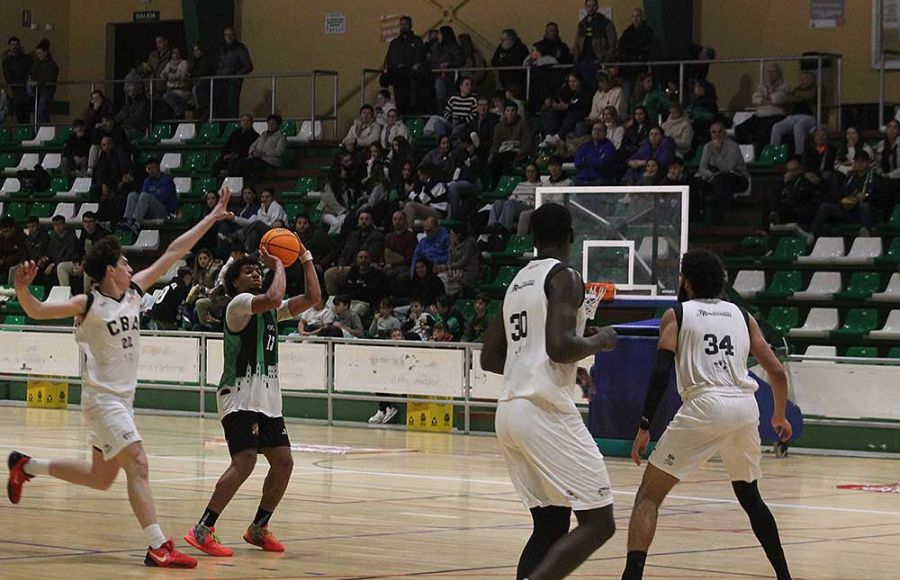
166 556
17 475
206 540
262 537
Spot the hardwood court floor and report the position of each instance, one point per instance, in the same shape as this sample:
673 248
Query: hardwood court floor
424 505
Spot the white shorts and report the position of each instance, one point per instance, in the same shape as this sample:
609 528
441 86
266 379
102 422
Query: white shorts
111 419
551 457
710 423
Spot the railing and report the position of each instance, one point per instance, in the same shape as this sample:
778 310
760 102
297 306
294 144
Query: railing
315 111
309 368
819 59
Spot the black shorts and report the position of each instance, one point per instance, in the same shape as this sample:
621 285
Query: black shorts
253 430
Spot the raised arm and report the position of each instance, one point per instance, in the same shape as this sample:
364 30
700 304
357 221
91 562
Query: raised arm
38 310
761 350
272 298
312 293
183 244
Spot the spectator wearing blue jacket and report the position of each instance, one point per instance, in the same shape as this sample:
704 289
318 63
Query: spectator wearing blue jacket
156 200
595 160
435 246
656 146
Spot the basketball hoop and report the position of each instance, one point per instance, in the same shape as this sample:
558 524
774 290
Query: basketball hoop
594 294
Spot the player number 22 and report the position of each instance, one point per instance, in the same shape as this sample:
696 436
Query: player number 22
519 323
714 345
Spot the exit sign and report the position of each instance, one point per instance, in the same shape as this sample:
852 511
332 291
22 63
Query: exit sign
146 16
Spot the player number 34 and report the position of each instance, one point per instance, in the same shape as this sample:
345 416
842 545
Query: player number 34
714 345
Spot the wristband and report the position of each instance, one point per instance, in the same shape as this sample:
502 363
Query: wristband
644 424
306 257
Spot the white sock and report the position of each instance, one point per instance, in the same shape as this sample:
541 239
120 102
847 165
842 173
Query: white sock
37 466
155 536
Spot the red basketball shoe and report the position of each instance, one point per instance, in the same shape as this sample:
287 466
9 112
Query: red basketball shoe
262 537
206 540
17 475
166 556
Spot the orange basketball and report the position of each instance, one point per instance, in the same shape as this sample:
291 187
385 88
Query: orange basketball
283 244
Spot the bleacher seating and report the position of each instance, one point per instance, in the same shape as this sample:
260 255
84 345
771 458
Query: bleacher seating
863 251
819 322
822 286
890 330
748 282
825 251
891 293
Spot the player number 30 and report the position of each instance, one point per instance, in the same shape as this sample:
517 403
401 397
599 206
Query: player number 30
519 323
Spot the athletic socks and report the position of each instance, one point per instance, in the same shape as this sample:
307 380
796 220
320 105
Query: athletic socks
37 466
262 517
208 518
155 536
634 565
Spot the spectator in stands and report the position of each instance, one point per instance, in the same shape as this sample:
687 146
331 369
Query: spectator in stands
419 322
474 60
12 243
202 66
440 333
399 156
166 312
42 78
446 53
609 94
544 78
362 133
178 86
483 125
506 212
721 175
510 52
652 174
552 45
221 229
596 39
234 60
236 149
770 101
91 231
16 66
267 151
37 242
134 116
76 151
425 285
384 322
450 316
652 98
404 69
113 179
399 247
888 161
802 118
564 113
156 199
315 239
818 160
658 146
704 106
515 93
365 284
634 46
843 162
679 128
477 326
107 128
158 60
97 108
394 127
346 321
511 145
315 319
270 213
374 198
854 201
797 200
364 237
458 113
637 129
439 159
429 199
64 251
465 183
614 131
241 219
464 269
206 270
595 160
384 104
558 177
339 193
434 247
675 175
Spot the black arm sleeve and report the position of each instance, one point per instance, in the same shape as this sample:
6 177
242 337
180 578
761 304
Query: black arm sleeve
659 380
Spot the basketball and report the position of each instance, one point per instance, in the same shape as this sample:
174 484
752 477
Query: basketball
283 244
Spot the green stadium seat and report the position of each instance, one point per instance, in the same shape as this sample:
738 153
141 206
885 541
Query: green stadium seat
42 209
125 237
289 128
892 256
159 132
6 136
862 351
784 284
18 211
62 135
16 319
227 130
303 186
190 214
772 155
416 126
505 186
861 286
8 160
783 318
466 308
200 185
893 223
787 250
193 163
894 352
15 135
13 304
860 321
292 209
504 277
207 133
516 247
56 184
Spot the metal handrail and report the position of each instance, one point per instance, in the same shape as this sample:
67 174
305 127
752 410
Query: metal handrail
762 60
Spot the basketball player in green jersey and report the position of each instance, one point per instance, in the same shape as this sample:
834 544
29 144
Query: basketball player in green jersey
249 396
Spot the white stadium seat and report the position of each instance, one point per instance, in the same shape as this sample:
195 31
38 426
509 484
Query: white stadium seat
306 132
10 185
52 161
80 186
820 350
59 294
826 251
890 330
821 286
65 209
43 135
28 161
182 185
235 184
748 282
85 207
863 251
183 132
169 162
147 241
748 152
891 293
260 127
819 323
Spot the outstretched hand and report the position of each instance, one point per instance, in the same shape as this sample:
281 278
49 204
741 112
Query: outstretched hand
25 274
220 212
268 259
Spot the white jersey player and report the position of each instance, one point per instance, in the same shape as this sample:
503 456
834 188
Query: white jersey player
707 341
108 334
552 459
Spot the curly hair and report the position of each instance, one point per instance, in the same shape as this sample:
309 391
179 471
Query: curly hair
104 252
705 271
235 270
